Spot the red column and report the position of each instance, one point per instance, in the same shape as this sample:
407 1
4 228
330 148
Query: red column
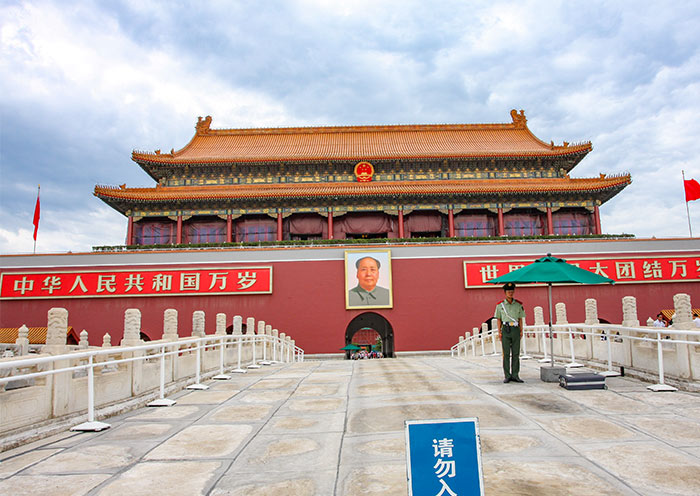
550 226
229 228
279 226
130 231
401 231
178 238
450 223
596 216
330 225
501 227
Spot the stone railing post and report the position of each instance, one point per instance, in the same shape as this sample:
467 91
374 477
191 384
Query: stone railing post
132 337
106 340
539 316
170 325
22 341
283 349
592 312
56 335
83 344
560 311
683 320
56 332
220 324
198 321
250 334
591 319
629 312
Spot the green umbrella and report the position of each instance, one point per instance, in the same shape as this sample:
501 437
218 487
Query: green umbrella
550 270
351 347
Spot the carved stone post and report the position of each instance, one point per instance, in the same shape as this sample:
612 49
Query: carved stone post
629 319
83 344
106 340
57 332
683 320
198 323
237 325
629 312
132 327
560 311
592 312
170 325
283 347
220 324
22 341
539 316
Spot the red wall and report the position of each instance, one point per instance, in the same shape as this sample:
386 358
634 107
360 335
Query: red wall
431 310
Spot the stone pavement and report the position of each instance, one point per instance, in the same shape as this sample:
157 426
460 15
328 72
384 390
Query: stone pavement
336 428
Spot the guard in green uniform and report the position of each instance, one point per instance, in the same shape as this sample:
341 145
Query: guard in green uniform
510 314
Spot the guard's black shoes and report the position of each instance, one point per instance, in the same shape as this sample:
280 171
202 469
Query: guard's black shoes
506 380
517 379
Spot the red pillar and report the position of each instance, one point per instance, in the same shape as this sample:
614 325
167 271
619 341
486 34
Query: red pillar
229 228
178 238
550 226
279 226
130 231
450 223
330 225
401 231
596 216
501 227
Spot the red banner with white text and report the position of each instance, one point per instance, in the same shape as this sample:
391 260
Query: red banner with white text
621 270
146 282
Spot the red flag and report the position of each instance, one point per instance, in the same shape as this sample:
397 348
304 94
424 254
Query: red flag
37 210
692 189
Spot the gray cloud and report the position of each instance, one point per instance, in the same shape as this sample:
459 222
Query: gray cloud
84 83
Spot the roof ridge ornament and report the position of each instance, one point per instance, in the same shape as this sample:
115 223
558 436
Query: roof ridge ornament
519 119
202 125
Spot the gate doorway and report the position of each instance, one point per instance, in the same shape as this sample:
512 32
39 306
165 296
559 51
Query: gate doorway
367 322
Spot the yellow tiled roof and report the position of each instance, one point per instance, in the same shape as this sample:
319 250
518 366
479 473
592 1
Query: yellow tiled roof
375 188
436 141
37 335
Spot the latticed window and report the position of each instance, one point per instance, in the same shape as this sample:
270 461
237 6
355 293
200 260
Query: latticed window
257 233
523 224
154 232
205 232
572 223
473 226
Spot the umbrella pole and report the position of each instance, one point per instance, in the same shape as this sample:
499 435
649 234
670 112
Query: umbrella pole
551 339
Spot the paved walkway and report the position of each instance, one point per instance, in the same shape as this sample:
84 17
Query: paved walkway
336 428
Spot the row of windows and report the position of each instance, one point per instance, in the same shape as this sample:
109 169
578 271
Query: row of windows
148 232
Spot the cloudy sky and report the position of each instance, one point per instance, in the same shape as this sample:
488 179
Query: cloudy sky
84 83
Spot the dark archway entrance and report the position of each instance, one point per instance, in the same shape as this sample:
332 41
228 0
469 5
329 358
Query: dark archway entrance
374 321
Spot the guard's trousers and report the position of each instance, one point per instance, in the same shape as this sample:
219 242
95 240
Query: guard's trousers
511 351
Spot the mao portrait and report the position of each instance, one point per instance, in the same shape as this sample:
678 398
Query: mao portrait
368 279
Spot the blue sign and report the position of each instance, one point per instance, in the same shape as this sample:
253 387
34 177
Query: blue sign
443 457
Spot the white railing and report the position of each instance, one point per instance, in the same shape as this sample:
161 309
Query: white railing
631 347
28 369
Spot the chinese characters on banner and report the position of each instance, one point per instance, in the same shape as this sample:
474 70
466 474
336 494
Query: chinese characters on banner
621 270
136 282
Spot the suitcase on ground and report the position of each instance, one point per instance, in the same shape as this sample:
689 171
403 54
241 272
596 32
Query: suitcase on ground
577 382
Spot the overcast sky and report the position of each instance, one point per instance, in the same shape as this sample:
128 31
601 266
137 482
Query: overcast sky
84 83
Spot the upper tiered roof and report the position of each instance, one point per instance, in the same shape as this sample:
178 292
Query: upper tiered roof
602 188
409 142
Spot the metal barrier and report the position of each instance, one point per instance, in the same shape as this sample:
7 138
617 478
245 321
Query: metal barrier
90 359
603 332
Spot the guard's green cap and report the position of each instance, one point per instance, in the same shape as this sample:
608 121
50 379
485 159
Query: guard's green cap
509 286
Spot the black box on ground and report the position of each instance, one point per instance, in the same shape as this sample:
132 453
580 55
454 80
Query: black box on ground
574 382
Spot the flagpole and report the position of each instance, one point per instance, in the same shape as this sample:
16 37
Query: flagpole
687 210
38 193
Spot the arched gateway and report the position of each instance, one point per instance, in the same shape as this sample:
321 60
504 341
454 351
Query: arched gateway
374 321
